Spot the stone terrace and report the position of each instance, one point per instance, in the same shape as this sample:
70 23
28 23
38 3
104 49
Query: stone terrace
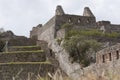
21 62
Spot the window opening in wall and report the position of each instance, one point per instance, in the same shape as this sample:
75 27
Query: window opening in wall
50 52
117 54
88 21
103 57
69 20
110 57
79 20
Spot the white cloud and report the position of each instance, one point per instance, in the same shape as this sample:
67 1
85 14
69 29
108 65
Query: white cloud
21 15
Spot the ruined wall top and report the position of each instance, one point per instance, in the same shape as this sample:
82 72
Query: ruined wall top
59 10
88 12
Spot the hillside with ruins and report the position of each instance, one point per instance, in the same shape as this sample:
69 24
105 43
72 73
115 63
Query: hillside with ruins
68 46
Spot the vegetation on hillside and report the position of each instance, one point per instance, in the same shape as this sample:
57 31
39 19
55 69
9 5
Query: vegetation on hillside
94 33
82 44
79 47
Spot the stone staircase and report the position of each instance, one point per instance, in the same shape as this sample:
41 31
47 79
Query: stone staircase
24 63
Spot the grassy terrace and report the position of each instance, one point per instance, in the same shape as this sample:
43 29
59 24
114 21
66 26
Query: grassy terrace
25 46
25 63
17 52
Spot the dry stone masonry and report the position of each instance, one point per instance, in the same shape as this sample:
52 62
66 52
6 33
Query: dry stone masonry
24 62
108 54
50 30
105 59
21 62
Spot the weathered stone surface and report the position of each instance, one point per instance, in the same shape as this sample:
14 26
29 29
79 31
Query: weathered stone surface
22 57
63 57
59 10
23 48
108 54
34 32
49 31
14 40
24 71
103 71
87 12
52 29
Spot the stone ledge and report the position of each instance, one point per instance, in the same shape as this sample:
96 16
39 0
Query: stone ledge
24 48
24 56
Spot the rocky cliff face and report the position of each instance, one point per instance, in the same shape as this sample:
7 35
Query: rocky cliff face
71 69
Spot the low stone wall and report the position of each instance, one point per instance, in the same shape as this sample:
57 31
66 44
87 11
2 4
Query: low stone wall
24 71
23 48
103 71
22 57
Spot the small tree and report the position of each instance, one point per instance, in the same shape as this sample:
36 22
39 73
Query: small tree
78 47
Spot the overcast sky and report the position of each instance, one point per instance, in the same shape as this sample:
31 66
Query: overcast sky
21 15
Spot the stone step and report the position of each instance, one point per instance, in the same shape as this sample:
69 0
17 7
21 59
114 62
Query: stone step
23 70
23 56
23 48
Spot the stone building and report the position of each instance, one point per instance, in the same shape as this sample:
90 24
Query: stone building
108 54
52 28
49 30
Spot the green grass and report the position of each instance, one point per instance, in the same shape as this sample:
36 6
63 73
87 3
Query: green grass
92 32
25 46
17 52
25 63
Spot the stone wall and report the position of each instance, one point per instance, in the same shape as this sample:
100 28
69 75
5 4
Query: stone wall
47 32
107 66
87 20
108 54
26 63
108 27
14 40
34 31
75 20
22 57
50 30
24 48
103 71
24 71
60 33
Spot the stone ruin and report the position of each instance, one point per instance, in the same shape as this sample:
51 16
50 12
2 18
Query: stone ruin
52 28
22 59
29 62
105 59
109 54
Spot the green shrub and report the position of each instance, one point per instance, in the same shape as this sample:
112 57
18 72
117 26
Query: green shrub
78 46
78 43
